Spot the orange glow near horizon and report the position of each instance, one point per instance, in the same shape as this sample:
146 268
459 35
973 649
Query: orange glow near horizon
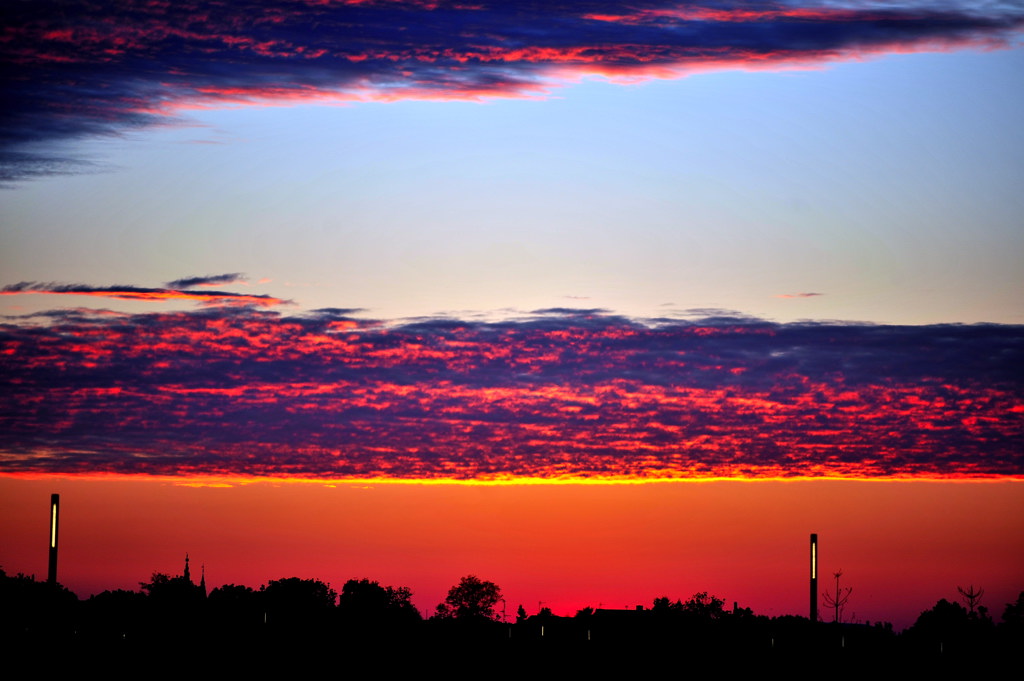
569 545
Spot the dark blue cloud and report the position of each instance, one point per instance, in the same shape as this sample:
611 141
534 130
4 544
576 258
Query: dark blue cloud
251 391
74 68
210 280
138 293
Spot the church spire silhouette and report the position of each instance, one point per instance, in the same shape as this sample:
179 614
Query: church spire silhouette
187 575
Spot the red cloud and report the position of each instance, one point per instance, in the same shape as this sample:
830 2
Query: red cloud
243 391
136 293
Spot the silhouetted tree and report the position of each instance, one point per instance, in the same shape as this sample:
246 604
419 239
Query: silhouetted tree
584 612
236 608
471 599
745 613
949 628
310 594
703 605
233 595
520 614
837 601
944 618
163 588
1013 614
298 603
971 597
1011 628
363 599
663 605
119 613
174 605
28 607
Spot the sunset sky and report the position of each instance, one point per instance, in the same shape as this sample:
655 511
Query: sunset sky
602 301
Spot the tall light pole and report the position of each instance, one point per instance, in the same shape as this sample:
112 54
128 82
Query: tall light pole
51 575
814 578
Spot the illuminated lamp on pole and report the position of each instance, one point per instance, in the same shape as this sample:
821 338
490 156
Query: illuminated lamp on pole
51 576
814 578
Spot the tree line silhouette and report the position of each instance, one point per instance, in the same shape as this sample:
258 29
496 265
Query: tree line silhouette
293 614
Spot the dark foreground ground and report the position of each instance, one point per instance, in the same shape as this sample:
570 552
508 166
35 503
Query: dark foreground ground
543 648
47 632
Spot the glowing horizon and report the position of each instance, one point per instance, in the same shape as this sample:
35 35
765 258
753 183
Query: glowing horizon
569 545
222 481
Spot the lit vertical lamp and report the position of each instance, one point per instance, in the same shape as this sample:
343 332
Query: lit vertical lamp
814 577
51 576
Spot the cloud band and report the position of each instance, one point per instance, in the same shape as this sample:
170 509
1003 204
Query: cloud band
75 68
245 391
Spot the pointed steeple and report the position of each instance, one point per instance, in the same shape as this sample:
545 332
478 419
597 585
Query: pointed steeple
202 579
187 575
